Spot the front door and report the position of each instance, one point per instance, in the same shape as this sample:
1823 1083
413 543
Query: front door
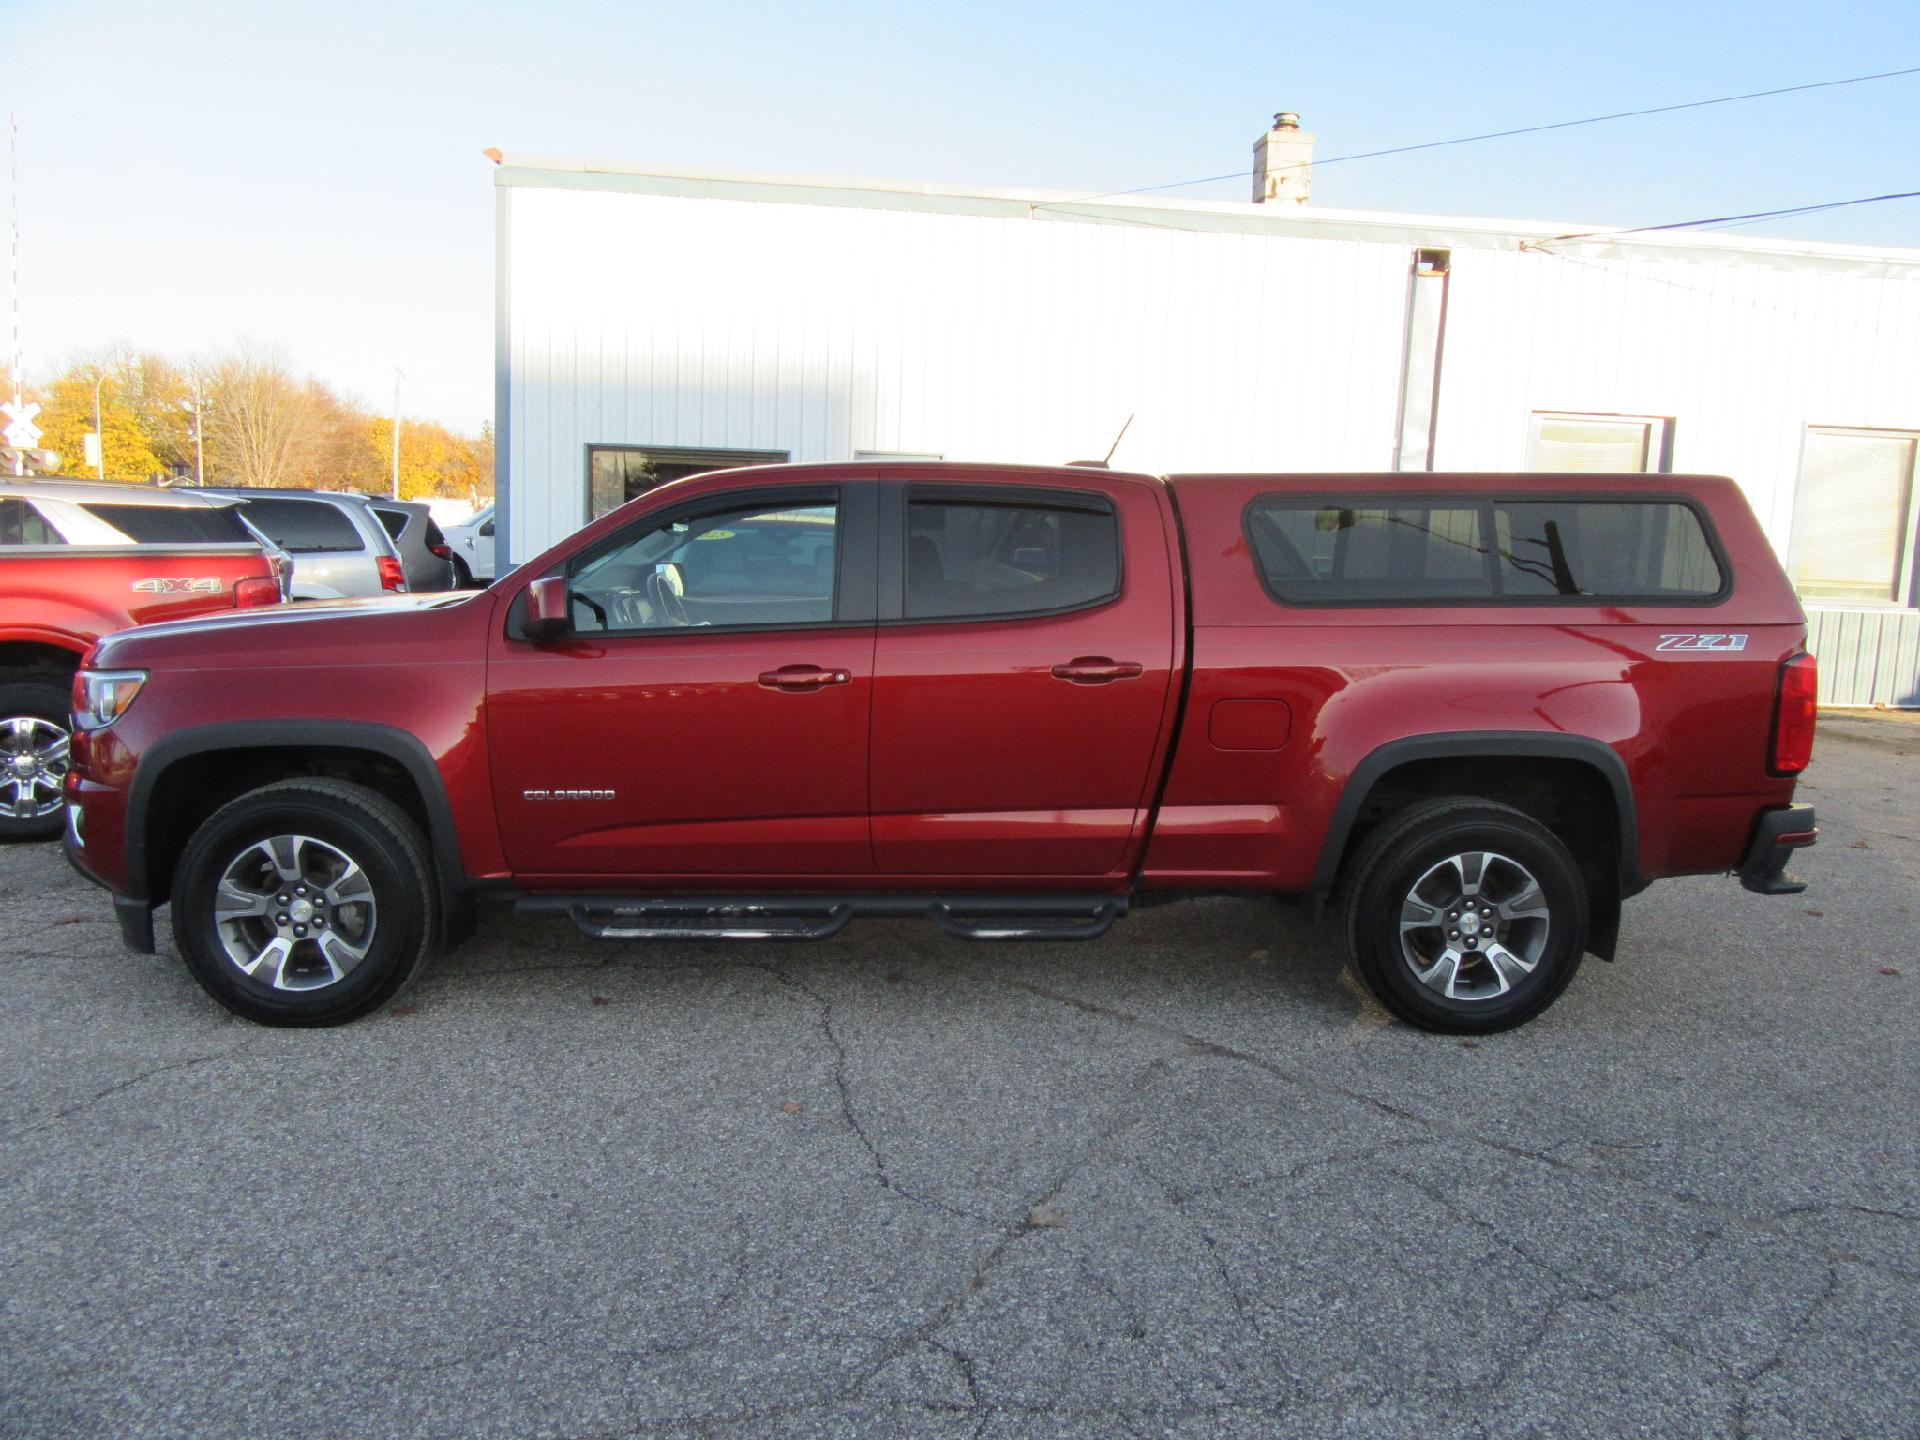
1021 678
709 715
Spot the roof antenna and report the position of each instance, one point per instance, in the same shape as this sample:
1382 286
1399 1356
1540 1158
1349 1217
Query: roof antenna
1101 464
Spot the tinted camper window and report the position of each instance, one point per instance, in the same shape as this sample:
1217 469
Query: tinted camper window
1461 549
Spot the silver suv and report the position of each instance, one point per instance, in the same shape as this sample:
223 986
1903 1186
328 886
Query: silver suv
338 545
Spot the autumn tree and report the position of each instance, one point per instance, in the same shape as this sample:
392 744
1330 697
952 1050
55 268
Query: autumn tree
66 419
160 394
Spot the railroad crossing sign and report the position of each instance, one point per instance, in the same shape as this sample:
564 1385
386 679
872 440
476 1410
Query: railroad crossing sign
22 433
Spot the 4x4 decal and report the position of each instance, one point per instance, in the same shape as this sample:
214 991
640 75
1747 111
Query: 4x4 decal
1702 641
169 585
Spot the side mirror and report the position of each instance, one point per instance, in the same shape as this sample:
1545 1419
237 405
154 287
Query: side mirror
549 609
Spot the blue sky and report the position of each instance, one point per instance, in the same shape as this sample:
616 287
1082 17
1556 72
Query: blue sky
310 176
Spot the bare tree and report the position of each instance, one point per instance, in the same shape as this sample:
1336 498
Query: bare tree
262 424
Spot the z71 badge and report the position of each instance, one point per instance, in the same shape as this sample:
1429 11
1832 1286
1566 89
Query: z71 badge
1702 642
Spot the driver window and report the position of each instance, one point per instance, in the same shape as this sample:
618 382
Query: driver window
753 565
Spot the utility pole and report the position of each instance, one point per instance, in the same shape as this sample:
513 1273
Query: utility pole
195 407
99 435
13 194
396 432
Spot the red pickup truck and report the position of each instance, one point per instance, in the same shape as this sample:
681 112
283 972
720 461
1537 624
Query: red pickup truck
1478 711
78 561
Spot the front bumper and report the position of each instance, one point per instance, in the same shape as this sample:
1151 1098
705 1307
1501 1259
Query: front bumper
1775 838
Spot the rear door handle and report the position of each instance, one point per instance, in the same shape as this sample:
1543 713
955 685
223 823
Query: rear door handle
803 677
1095 670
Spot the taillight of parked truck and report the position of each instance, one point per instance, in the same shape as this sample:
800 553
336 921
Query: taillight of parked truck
1793 715
256 590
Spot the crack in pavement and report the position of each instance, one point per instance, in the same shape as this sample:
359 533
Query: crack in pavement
1017 1230
1771 1223
849 1111
118 1087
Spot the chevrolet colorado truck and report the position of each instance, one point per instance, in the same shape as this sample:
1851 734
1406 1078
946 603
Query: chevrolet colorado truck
81 560
1475 712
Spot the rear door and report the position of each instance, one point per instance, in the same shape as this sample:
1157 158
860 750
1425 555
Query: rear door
709 717
1022 676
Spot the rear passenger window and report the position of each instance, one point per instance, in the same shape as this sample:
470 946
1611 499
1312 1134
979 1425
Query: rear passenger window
1469 549
303 526
22 524
976 560
392 521
173 524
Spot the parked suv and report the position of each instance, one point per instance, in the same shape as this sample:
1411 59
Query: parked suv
1475 713
472 545
338 545
416 535
81 560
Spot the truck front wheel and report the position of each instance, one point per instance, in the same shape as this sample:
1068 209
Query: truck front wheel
306 902
1465 916
33 757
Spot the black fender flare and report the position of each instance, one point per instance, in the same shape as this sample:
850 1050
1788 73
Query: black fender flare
400 746
1483 744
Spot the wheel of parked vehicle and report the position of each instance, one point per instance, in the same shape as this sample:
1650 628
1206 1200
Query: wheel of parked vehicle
307 902
462 576
33 757
1465 916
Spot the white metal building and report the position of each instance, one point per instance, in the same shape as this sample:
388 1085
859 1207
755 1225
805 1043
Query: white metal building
651 322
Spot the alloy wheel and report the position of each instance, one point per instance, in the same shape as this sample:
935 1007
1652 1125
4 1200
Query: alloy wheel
294 912
33 762
1474 926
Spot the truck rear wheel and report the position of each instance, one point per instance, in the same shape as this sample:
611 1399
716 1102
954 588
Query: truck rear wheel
33 757
1465 916
307 902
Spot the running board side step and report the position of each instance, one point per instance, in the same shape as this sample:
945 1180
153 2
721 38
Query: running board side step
815 917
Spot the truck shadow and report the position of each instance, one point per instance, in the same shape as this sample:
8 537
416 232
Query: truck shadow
1217 951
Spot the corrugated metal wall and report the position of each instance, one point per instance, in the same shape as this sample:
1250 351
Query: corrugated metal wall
654 320
1867 657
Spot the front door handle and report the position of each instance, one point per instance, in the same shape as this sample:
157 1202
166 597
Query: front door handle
1095 670
803 677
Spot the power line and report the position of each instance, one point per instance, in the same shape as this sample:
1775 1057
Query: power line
1518 130
1715 220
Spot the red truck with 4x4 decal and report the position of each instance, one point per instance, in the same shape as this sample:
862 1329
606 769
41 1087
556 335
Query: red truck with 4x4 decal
1478 712
78 561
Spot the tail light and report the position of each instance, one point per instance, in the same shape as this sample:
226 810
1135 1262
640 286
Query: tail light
445 552
256 590
1793 715
392 577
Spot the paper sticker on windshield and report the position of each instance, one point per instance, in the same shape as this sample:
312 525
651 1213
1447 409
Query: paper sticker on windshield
1703 641
715 535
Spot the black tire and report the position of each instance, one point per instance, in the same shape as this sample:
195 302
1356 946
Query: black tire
36 701
462 577
337 819
1418 848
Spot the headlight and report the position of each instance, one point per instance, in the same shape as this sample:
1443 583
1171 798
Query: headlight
101 697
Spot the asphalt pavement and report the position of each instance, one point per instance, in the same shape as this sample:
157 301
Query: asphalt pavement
1183 1181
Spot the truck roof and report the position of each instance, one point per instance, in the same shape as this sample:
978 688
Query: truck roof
106 492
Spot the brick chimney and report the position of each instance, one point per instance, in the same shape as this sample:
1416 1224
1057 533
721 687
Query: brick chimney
1283 163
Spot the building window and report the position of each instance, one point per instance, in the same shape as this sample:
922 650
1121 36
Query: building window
1613 444
1853 520
618 473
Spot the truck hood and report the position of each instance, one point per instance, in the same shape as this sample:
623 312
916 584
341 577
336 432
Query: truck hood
366 631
